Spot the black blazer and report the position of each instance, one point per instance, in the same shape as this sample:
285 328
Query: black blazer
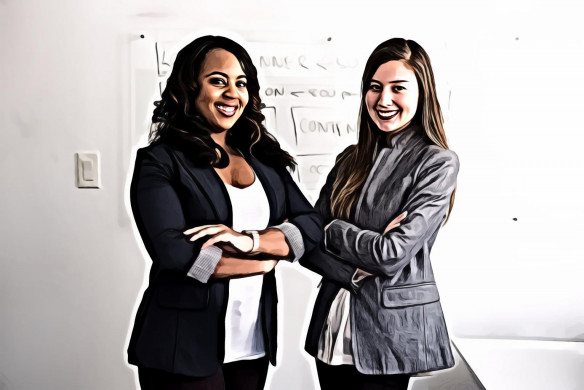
179 325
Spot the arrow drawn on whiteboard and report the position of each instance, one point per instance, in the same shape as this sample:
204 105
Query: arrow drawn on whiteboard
345 93
296 93
325 62
301 60
353 64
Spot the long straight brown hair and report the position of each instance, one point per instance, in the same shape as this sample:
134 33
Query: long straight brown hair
357 161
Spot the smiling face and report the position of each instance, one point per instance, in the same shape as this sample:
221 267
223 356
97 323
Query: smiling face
392 96
222 88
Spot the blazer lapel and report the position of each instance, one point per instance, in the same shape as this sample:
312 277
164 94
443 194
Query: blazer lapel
264 175
211 186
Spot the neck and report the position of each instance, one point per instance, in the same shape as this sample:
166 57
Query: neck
392 135
220 139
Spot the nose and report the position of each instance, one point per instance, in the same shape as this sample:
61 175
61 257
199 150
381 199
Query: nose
385 98
230 91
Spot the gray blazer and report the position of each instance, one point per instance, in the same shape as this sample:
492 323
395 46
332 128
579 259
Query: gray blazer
397 325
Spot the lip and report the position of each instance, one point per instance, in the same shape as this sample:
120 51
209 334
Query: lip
387 115
227 110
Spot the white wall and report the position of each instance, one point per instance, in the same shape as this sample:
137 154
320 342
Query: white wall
71 269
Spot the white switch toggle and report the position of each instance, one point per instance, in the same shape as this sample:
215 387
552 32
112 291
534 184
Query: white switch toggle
88 170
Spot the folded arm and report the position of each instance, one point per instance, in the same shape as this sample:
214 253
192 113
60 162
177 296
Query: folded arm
286 241
230 267
160 219
427 206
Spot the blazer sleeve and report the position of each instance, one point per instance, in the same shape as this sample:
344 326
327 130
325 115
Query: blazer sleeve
159 216
303 228
427 207
319 260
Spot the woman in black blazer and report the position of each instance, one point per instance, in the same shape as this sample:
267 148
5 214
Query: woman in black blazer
377 318
208 147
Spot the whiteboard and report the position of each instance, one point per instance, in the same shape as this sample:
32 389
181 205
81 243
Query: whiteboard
311 93
507 263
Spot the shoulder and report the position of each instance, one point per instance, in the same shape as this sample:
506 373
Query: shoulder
348 150
436 161
157 157
426 153
157 152
340 160
434 154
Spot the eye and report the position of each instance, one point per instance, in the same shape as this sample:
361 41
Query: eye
217 81
375 87
241 84
398 88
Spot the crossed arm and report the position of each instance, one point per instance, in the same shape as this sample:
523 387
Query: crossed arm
225 253
237 247
349 248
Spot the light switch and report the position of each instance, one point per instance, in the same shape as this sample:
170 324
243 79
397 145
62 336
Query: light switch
88 170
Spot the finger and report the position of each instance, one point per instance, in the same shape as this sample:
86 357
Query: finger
235 242
400 217
391 226
216 238
207 232
227 249
198 228
395 222
270 265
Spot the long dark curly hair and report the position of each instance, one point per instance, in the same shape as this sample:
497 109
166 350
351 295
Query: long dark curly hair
176 121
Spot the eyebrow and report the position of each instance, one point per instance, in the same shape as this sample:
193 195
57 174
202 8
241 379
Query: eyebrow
391 82
225 75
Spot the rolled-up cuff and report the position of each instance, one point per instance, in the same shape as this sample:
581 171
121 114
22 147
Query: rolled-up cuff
293 237
205 263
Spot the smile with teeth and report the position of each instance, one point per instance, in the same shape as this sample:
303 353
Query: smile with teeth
386 115
226 110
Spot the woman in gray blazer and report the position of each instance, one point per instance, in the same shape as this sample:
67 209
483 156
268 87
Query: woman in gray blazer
377 318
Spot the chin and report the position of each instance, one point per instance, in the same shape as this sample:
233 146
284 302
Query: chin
222 126
389 129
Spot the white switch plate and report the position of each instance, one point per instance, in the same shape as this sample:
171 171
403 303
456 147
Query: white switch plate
88 170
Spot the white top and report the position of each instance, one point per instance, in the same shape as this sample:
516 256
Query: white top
243 326
334 345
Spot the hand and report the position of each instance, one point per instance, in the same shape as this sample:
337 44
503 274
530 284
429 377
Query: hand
269 265
396 222
328 224
222 234
360 274
232 267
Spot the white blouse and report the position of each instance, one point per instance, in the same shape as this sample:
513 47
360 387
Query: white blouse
334 345
243 326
